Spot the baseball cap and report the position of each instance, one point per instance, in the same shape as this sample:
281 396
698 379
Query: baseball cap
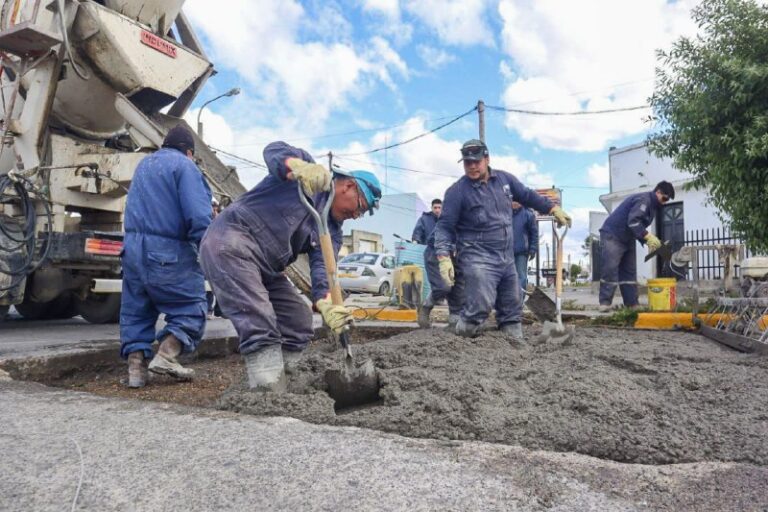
473 150
369 185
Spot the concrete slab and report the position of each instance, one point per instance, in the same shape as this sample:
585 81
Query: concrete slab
144 456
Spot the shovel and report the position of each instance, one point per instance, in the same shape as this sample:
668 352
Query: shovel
353 384
664 252
556 332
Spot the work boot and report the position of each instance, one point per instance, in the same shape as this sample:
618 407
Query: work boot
514 331
423 315
137 370
266 370
291 360
453 319
604 308
165 362
466 329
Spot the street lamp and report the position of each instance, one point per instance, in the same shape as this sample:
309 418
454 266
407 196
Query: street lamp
232 92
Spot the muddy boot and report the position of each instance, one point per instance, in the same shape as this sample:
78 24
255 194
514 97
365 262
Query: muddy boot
604 308
453 319
291 360
137 370
165 362
513 331
466 329
266 370
424 311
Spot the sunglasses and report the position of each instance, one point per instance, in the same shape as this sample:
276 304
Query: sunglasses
376 194
476 153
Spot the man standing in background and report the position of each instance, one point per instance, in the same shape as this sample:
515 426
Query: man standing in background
526 236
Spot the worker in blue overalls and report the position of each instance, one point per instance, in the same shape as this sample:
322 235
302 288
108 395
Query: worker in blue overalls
477 221
627 223
249 245
167 212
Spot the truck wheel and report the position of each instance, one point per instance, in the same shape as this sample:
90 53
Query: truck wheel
62 307
3 312
32 310
100 308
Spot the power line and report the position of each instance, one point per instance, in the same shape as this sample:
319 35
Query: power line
390 166
576 113
341 134
240 158
408 141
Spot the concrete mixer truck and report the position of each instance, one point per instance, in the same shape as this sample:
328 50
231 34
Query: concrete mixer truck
88 87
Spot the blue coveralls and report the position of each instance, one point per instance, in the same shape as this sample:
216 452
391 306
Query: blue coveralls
166 214
250 244
424 227
526 231
623 226
477 218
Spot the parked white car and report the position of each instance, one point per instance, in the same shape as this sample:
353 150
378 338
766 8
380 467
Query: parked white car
367 272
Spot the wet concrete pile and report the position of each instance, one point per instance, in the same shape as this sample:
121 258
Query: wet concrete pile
627 396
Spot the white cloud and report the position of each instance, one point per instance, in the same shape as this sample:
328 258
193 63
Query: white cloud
456 22
598 175
434 58
287 72
388 8
589 55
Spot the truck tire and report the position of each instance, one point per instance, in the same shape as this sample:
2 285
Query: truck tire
32 310
61 307
99 308
3 312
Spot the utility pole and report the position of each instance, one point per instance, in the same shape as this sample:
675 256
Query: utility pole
481 118
330 161
386 169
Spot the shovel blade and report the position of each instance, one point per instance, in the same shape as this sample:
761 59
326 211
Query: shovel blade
542 306
353 384
556 334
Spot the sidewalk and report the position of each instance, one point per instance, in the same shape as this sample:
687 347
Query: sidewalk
149 456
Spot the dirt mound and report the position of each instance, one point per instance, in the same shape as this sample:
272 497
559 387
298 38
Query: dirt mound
628 396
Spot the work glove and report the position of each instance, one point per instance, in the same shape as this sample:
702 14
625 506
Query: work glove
653 242
314 178
562 218
446 269
335 317
531 256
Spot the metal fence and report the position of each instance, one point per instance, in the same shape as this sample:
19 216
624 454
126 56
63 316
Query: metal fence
710 266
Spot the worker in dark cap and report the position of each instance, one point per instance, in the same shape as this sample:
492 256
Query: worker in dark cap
477 222
166 215
625 225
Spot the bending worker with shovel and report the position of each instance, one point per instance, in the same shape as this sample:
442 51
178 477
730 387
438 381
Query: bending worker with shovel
249 245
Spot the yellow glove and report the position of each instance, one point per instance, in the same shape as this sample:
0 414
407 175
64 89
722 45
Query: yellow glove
446 269
561 217
314 178
335 317
653 242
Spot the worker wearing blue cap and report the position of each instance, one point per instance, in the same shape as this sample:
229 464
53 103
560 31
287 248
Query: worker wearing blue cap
250 244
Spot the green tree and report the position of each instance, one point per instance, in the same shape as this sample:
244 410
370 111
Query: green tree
575 271
586 245
711 106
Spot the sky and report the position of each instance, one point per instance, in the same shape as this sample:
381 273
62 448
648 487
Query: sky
353 76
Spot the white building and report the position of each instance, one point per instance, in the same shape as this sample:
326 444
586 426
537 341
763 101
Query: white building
634 169
397 214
